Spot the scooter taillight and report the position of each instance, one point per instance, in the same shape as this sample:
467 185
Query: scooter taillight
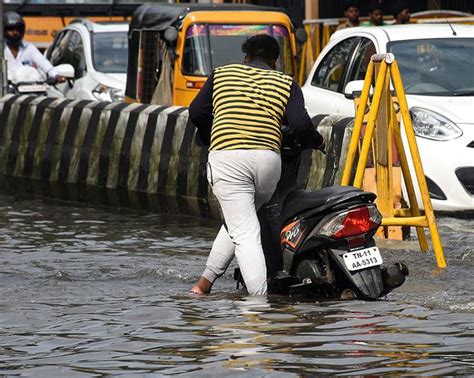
353 222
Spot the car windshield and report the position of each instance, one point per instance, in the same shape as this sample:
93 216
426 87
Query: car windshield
209 46
110 52
436 67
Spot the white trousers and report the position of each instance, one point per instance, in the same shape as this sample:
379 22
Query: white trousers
242 181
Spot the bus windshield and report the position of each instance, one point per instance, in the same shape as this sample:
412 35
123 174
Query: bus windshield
209 45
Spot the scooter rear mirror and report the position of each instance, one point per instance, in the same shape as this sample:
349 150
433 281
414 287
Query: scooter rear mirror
66 70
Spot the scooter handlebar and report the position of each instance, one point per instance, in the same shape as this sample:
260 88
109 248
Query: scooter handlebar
290 142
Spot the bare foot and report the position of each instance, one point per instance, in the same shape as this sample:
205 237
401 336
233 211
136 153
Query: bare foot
203 286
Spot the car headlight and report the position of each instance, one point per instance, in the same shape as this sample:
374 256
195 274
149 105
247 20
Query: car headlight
104 93
432 125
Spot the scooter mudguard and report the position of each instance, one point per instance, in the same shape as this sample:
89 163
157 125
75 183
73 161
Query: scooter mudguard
368 281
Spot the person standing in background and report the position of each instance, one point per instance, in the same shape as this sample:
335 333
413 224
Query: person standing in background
375 16
351 11
401 14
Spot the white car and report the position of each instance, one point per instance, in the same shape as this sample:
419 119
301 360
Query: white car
99 54
436 64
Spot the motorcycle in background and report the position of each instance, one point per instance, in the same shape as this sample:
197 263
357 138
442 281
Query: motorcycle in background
32 81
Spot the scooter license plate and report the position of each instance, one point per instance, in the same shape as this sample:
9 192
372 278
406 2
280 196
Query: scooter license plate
363 258
32 88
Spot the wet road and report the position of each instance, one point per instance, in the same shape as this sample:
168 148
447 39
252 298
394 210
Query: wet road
96 291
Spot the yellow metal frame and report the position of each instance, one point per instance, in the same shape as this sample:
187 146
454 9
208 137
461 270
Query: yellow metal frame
382 126
318 32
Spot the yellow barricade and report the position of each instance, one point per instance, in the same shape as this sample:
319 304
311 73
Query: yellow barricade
382 128
319 32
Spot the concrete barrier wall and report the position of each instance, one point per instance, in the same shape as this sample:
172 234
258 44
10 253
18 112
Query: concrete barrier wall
131 155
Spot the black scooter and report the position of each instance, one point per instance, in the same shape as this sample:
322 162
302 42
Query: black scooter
320 243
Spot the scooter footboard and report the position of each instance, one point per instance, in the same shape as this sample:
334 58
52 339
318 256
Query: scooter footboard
368 281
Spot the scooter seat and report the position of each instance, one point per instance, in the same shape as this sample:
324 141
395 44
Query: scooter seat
299 201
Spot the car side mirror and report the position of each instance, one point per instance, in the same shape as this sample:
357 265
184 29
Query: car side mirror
66 70
354 89
301 35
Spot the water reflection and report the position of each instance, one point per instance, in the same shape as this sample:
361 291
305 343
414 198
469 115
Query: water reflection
92 291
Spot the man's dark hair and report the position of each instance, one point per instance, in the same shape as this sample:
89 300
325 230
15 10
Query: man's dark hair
374 8
375 5
350 4
263 47
398 7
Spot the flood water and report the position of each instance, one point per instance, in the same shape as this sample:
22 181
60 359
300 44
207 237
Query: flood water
98 291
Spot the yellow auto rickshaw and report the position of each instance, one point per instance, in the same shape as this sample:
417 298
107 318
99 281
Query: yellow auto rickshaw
174 47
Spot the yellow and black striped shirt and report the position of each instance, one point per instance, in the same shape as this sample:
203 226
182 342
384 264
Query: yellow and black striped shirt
243 106
249 104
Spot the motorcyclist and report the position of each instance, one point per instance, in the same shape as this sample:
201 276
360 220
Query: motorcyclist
18 53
